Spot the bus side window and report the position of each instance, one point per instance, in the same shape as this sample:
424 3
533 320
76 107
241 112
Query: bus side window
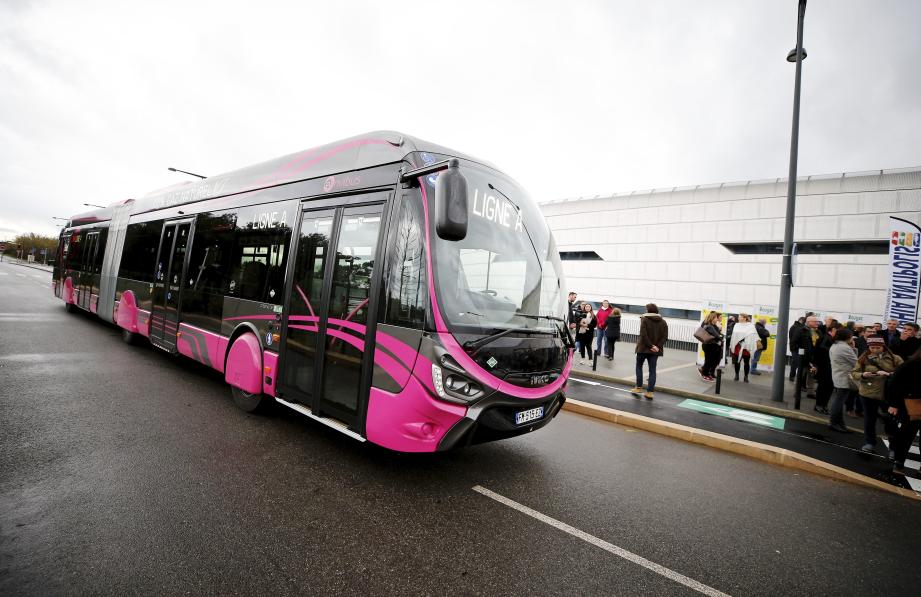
100 250
75 257
139 255
208 275
259 263
407 283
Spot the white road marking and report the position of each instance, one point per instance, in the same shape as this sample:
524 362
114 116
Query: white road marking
915 483
618 551
21 275
591 383
4 274
595 383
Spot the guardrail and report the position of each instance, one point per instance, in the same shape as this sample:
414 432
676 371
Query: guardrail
680 333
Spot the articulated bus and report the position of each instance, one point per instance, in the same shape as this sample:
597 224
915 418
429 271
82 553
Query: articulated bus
397 291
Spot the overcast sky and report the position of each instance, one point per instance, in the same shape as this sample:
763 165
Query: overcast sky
577 98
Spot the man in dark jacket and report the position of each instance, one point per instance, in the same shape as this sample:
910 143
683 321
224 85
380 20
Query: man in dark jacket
891 334
649 347
909 343
808 339
763 336
793 339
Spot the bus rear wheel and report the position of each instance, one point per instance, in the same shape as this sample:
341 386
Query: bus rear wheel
70 307
251 403
129 337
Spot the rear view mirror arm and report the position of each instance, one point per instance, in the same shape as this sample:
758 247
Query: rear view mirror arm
411 178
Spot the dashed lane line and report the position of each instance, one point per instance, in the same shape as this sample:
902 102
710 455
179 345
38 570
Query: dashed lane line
618 551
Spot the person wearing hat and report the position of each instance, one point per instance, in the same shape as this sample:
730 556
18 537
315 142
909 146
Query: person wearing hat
873 369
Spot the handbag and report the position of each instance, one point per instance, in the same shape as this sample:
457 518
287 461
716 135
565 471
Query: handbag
913 407
703 335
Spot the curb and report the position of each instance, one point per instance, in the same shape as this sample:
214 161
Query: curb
41 269
768 410
743 447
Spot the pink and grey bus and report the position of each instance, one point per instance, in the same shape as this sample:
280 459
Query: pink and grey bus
395 290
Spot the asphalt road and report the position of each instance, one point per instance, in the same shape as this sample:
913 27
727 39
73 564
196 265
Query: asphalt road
124 470
805 437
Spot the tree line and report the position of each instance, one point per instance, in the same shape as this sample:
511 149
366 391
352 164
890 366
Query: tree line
24 244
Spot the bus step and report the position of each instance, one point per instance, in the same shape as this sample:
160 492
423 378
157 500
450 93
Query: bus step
337 425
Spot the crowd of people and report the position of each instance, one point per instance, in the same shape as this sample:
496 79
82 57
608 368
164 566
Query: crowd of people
603 329
854 370
865 371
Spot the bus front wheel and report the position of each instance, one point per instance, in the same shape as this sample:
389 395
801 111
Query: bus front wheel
251 403
129 337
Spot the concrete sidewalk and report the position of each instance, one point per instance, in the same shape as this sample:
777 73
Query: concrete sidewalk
23 263
676 373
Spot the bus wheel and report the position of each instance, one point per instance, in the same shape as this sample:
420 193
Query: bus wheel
129 337
251 403
70 307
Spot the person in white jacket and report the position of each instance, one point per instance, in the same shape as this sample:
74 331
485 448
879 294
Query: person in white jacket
843 358
743 343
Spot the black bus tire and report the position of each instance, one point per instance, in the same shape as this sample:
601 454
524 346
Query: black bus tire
251 403
70 307
129 337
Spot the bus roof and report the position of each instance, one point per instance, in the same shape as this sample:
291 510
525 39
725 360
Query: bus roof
363 151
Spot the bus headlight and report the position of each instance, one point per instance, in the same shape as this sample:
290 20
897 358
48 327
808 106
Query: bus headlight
454 387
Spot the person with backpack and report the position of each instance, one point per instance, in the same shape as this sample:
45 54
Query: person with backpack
743 343
612 332
763 336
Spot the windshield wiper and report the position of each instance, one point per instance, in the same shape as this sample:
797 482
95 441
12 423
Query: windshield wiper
538 316
562 329
477 344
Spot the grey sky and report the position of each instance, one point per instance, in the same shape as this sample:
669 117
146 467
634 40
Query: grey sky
572 99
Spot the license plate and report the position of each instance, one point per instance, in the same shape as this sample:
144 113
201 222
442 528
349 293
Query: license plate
526 416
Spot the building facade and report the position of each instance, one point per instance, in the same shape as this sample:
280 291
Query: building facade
684 247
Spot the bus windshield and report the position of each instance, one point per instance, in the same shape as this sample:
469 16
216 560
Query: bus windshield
506 273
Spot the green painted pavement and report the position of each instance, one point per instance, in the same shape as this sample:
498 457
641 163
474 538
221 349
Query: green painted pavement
733 413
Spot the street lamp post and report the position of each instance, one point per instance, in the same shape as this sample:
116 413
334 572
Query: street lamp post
783 309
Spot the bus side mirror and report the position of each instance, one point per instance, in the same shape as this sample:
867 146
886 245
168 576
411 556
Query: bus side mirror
451 203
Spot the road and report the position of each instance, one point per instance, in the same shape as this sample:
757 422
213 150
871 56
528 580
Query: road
124 470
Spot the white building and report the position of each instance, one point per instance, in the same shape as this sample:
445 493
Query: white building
684 246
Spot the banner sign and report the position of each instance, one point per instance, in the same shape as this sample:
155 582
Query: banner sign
904 269
769 315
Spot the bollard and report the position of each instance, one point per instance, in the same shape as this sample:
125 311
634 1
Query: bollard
800 380
595 361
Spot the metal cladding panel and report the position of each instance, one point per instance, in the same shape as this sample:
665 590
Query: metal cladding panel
356 153
112 259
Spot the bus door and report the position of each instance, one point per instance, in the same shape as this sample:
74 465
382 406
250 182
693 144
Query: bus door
164 316
325 359
85 277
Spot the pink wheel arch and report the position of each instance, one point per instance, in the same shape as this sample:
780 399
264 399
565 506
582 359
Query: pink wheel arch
244 364
126 312
68 294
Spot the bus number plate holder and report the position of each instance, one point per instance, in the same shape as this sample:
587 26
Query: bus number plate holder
526 416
